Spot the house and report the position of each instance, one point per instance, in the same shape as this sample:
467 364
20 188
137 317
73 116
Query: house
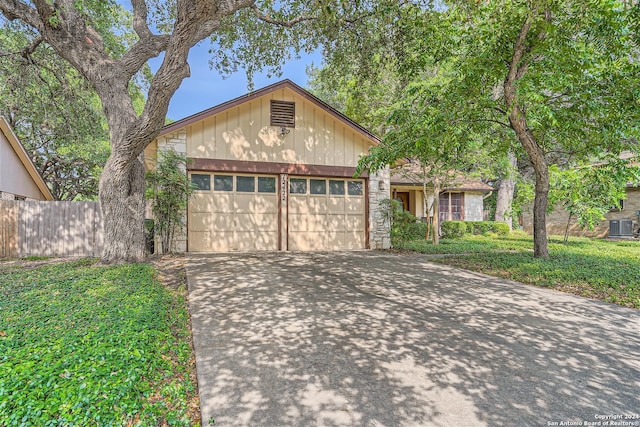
19 178
462 200
621 221
274 170
629 212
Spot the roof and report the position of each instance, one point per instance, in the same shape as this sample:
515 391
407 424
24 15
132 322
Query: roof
264 91
460 183
17 146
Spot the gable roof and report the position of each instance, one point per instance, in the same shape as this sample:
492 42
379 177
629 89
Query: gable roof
24 158
264 91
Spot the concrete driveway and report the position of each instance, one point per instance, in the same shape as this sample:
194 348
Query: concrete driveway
381 339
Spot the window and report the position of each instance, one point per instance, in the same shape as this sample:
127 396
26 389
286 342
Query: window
297 186
336 187
283 114
20 198
619 207
245 184
318 186
201 182
451 207
266 184
223 182
355 188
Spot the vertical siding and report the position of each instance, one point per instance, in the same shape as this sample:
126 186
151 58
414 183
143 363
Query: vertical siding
244 133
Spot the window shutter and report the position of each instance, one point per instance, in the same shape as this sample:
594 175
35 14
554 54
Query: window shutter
283 114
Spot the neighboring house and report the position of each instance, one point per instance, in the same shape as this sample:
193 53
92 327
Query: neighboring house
273 170
19 178
557 220
461 201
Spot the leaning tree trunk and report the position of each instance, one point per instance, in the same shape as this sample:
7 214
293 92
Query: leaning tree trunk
506 189
123 205
518 122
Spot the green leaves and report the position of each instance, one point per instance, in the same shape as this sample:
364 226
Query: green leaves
87 344
169 188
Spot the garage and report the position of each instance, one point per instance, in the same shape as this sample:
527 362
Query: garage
274 170
233 213
241 212
326 214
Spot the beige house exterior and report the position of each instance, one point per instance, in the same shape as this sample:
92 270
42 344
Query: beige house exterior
274 171
462 201
19 178
557 220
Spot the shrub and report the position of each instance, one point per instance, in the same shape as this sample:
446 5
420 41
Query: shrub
501 228
453 229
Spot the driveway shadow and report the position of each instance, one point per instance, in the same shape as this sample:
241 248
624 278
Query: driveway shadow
378 339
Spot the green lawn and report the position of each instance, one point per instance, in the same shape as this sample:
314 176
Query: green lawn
85 344
602 269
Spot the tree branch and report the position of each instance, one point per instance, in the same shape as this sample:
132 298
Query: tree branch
288 24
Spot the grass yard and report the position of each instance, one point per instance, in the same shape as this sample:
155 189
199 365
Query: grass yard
83 344
601 269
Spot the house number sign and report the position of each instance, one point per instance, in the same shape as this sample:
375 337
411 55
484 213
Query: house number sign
283 187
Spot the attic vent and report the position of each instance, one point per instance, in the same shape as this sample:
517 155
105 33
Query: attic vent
283 114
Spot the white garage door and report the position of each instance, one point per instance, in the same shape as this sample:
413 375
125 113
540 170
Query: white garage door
326 214
233 212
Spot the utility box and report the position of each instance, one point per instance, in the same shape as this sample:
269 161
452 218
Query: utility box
621 228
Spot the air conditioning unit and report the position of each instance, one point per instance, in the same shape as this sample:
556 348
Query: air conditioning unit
621 228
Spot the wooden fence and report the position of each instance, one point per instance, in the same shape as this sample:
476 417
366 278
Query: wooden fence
59 229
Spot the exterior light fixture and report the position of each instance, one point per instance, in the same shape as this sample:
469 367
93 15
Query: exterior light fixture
284 131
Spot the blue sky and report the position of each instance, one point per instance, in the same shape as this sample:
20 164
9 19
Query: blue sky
206 87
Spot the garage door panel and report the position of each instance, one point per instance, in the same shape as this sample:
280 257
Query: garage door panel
335 222
316 223
298 222
335 240
354 239
264 204
354 205
307 241
317 204
222 241
335 205
221 222
266 241
298 205
200 221
355 222
265 222
199 241
200 202
222 202
243 222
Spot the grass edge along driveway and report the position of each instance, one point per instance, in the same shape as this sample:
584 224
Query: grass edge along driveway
85 344
608 270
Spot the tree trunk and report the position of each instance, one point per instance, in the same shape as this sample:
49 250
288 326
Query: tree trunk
518 122
436 211
425 208
123 206
566 230
506 189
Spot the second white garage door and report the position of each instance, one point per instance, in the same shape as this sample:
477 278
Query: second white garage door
326 214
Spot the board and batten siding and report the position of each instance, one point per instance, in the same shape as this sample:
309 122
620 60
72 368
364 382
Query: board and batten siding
243 132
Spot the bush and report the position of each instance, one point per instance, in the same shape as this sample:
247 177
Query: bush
501 228
453 229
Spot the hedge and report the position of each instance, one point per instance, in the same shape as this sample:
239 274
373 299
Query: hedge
457 229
